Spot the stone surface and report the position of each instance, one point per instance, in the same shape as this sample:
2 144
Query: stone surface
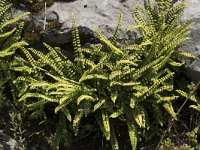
7 142
192 13
89 13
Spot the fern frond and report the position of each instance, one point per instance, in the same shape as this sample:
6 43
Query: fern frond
132 134
84 97
28 56
139 71
167 99
76 120
152 89
37 104
67 113
11 21
99 104
48 61
93 76
6 34
113 139
113 48
196 107
139 116
9 51
116 114
36 84
187 55
175 64
113 83
75 34
114 96
168 106
164 88
186 95
37 95
117 30
106 124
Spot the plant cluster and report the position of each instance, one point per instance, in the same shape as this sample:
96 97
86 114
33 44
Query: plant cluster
129 85
9 42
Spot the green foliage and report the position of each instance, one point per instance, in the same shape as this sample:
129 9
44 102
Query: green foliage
116 84
9 42
17 129
167 144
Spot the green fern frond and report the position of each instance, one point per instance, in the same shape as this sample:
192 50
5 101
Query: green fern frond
117 30
132 103
16 35
133 27
4 7
37 95
187 55
93 76
99 104
113 139
76 120
114 96
167 99
113 48
48 61
153 88
113 83
116 114
6 34
37 84
67 113
37 104
11 21
132 134
139 116
25 69
84 97
29 56
126 62
9 51
139 19
139 71
75 34
164 88
169 108
106 124
175 64
186 95
196 107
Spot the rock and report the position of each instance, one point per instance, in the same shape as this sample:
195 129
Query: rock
193 45
89 13
7 142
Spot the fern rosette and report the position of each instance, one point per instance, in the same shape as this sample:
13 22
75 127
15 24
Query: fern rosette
116 84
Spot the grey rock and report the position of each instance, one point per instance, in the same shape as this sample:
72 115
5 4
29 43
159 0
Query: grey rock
40 1
52 16
7 142
89 13
192 13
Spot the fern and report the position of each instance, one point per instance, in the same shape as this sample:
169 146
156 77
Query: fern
10 36
111 81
